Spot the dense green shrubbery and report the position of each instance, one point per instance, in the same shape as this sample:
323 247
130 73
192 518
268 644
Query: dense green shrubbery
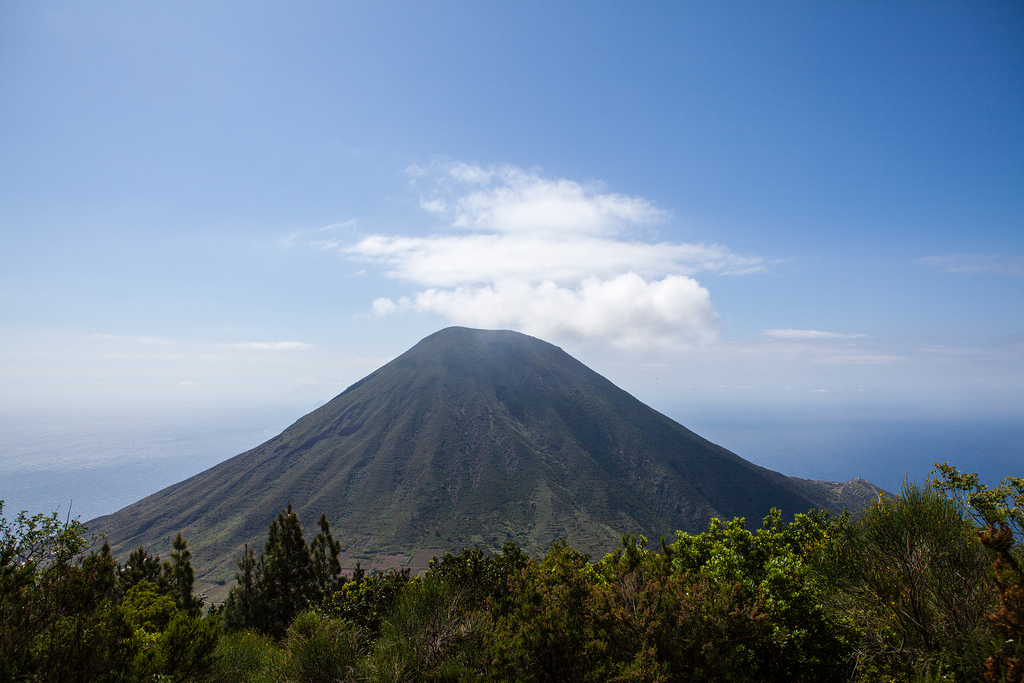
909 590
68 615
247 657
912 579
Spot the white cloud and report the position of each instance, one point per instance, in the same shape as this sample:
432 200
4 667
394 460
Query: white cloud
555 258
320 241
626 310
809 334
976 263
863 359
159 341
452 260
383 306
509 200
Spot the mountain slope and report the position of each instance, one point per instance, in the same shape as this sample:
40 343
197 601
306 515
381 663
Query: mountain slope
470 437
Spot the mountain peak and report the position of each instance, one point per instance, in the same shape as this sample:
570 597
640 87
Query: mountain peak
471 437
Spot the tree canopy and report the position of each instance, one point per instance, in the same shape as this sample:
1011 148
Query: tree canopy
924 585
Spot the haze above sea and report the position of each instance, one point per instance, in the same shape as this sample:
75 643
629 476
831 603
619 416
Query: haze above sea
96 464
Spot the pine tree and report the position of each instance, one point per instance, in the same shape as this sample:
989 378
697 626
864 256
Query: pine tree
180 577
324 557
141 566
287 572
243 608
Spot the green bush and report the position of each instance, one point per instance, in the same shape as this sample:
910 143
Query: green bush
365 600
904 592
322 649
912 579
247 657
429 634
148 608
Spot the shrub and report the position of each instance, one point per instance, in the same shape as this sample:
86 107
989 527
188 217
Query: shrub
912 579
247 657
429 634
322 649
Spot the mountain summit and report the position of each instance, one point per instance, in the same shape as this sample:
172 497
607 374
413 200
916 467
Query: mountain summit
470 437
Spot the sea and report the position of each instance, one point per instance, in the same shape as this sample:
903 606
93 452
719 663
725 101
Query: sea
888 452
83 465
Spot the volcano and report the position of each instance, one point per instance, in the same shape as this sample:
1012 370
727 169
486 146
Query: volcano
472 437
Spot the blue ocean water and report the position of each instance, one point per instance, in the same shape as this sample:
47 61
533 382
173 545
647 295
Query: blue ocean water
95 464
104 462
885 451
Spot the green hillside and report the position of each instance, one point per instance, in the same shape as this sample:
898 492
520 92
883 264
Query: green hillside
470 437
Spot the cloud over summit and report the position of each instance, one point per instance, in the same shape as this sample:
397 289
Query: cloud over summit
509 200
555 258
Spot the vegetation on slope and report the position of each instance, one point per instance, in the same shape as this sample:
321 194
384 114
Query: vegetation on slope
925 585
472 437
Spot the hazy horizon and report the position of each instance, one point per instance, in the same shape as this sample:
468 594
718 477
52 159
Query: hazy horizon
98 463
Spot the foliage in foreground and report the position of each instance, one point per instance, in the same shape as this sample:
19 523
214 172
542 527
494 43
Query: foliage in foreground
999 512
926 585
70 614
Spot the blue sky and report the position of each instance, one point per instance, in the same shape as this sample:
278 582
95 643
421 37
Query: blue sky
714 204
